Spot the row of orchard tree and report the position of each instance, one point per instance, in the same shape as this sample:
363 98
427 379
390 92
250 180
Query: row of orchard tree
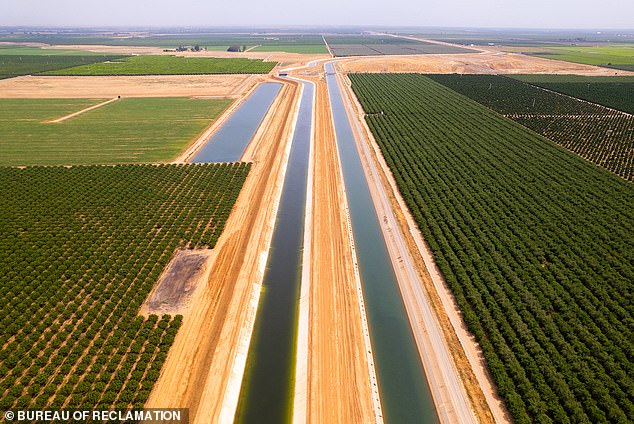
597 133
535 243
80 250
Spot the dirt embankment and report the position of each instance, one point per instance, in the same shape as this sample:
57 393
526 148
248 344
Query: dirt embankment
205 365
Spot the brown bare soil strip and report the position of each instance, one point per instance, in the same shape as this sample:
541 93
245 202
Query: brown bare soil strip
473 63
467 358
72 115
206 360
186 272
338 384
126 86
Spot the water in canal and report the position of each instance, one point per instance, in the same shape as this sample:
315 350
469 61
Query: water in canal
268 384
405 395
232 138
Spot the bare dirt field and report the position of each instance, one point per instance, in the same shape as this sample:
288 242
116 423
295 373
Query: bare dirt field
204 368
186 272
125 86
339 382
476 63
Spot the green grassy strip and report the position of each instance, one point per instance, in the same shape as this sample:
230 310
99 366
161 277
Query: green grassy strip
170 65
535 244
126 131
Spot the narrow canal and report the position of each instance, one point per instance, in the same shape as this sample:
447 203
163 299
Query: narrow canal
230 141
267 387
405 395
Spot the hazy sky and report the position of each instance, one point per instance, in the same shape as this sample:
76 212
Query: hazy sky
469 13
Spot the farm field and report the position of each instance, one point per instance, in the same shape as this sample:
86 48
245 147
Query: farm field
594 132
534 243
125 131
523 38
208 40
300 48
80 250
614 92
38 51
481 63
371 45
97 230
618 56
12 64
170 65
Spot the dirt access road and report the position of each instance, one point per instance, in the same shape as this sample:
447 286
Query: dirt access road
204 367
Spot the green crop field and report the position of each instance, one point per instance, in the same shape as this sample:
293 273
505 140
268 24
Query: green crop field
170 65
37 51
12 65
535 243
126 131
618 56
614 92
80 250
596 133
522 37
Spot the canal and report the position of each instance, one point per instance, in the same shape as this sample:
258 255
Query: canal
405 395
268 383
230 141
